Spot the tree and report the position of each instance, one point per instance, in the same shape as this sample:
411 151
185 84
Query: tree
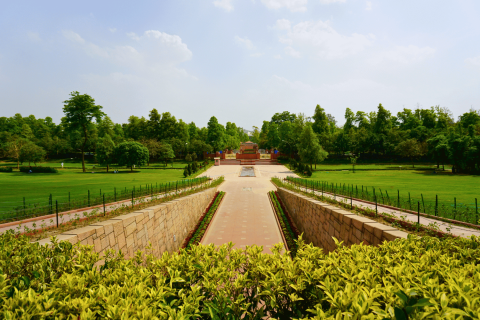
409 148
14 147
216 134
309 149
153 147
321 123
165 152
273 137
279 118
131 153
79 111
32 153
438 149
105 152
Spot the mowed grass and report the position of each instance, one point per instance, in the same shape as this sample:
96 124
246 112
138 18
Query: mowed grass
396 166
37 187
446 185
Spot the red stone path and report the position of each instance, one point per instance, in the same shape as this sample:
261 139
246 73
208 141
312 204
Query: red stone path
245 216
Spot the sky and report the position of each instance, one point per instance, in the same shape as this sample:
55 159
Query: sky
239 60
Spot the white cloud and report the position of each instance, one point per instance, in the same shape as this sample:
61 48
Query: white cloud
369 6
292 5
153 52
402 56
283 24
256 55
224 4
473 61
292 52
72 36
277 56
34 36
331 1
244 43
133 36
320 39
112 30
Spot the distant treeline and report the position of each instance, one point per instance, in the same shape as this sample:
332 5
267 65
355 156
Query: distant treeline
431 134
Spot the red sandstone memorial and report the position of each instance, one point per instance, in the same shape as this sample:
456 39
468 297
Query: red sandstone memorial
248 154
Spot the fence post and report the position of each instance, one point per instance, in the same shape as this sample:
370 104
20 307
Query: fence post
104 204
56 209
376 205
454 207
423 201
418 213
351 200
436 204
132 198
476 210
69 205
23 205
89 198
115 193
51 203
398 198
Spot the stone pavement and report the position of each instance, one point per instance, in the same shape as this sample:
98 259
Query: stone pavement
245 216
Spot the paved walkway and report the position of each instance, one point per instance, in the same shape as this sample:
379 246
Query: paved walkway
245 216
443 226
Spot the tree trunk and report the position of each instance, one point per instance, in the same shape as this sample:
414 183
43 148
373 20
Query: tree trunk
107 167
83 148
131 168
438 164
18 165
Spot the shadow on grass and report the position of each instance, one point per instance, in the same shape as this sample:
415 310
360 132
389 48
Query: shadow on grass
445 174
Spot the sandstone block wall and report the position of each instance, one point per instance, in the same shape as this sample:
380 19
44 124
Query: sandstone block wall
320 221
165 226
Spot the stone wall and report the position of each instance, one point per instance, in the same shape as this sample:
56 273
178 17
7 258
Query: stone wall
320 221
165 226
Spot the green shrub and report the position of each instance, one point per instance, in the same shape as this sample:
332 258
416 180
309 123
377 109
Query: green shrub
39 169
185 172
414 278
6 169
308 170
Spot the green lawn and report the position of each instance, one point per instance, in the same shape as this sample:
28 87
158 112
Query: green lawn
446 185
36 188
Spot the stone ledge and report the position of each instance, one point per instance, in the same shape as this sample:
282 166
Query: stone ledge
320 221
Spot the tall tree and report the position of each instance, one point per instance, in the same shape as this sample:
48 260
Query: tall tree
309 148
79 111
105 152
165 152
216 134
321 124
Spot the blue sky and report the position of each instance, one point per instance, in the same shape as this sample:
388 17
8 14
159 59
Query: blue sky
240 60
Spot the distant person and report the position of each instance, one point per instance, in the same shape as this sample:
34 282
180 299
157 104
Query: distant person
62 165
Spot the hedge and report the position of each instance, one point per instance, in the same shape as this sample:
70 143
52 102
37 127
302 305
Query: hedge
38 169
288 229
6 169
412 278
197 233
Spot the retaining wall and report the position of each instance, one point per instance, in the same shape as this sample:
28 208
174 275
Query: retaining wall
320 221
165 226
